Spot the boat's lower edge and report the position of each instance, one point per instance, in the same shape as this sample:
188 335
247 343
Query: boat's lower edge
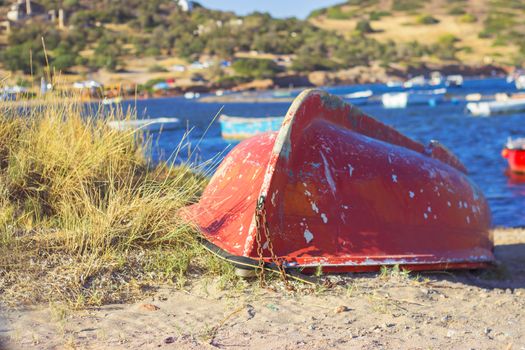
367 265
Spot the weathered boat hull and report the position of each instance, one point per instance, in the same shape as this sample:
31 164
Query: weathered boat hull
343 191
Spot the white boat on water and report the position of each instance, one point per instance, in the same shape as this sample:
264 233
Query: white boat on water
436 78
485 109
112 100
455 80
394 83
10 93
359 97
154 124
190 95
415 81
519 81
404 99
360 94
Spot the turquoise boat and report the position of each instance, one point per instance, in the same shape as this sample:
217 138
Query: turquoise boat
238 128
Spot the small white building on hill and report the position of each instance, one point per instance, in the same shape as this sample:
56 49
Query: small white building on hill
186 5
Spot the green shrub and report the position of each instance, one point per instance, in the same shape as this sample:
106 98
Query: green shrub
468 18
231 81
157 69
445 47
377 15
426 19
457 11
498 22
363 26
338 13
255 68
317 13
500 41
24 57
407 5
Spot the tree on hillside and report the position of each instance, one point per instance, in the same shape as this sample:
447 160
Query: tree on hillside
364 27
108 54
255 68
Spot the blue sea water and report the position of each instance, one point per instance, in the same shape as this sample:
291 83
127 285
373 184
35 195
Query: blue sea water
476 141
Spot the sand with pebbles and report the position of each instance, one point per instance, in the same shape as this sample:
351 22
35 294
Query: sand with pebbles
459 310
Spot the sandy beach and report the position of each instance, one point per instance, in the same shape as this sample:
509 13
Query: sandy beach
445 310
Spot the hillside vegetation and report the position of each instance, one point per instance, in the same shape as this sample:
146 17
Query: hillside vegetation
473 32
135 37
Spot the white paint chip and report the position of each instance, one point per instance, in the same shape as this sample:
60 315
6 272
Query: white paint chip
325 219
411 194
394 178
308 236
328 174
314 208
425 215
350 169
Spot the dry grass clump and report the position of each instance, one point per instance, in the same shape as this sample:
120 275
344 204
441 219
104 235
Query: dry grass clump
84 216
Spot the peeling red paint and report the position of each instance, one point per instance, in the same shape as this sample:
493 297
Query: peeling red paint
322 213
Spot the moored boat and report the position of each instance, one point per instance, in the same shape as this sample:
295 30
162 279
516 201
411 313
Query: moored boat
455 80
190 95
337 189
404 99
488 108
394 83
111 100
153 124
12 93
238 128
436 78
359 97
282 93
514 153
519 81
415 81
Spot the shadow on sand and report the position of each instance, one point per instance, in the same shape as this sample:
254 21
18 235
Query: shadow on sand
507 272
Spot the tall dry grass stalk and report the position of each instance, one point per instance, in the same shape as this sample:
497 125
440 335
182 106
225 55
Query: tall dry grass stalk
84 216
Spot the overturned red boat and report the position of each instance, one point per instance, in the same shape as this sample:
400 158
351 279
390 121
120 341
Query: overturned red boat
338 189
514 152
